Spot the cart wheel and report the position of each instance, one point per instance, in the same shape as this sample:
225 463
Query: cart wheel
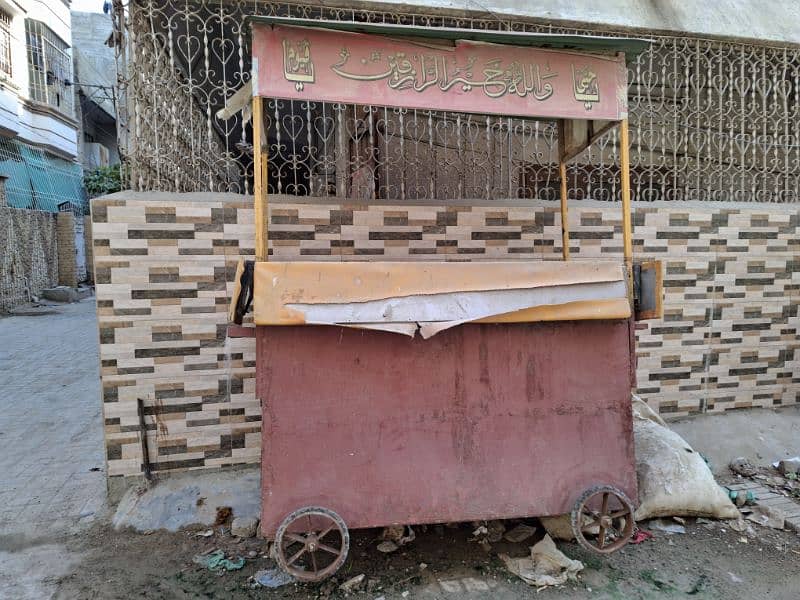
312 543
605 514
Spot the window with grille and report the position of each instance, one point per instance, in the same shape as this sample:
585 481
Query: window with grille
49 67
5 44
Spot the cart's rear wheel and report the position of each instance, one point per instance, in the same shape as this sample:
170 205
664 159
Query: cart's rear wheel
312 543
602 519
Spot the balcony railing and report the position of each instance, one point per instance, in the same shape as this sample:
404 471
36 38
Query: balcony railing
49 68
5 44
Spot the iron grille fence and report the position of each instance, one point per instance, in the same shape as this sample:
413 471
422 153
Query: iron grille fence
710 119
49 67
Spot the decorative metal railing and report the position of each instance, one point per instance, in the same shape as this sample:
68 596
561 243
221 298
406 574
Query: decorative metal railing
710 120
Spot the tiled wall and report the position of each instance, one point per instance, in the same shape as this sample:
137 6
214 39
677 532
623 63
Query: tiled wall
161 273
164 268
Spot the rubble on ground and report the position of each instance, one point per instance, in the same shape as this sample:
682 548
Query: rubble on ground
742 466
394 537
767 496
789 466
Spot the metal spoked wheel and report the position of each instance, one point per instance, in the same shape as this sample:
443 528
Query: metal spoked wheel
312 543
602 519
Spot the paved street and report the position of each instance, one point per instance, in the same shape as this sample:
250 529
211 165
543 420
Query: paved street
51 440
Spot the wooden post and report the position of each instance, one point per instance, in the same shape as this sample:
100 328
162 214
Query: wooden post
562 173
625 178
260 183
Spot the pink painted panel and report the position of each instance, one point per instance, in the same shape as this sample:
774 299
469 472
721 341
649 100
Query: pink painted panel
314 64
478 422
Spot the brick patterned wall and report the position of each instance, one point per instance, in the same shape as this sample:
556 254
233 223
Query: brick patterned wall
164 270
87 243
67 265
28 255
161 273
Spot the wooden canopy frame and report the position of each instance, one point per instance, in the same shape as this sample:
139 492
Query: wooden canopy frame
577 131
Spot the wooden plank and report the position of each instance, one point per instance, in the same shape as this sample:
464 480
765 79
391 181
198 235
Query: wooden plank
296 293
562 173
237 289
625 175
259 182
596 130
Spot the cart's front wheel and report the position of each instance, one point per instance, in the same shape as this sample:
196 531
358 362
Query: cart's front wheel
312 543
602 519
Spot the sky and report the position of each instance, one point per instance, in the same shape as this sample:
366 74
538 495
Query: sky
87 5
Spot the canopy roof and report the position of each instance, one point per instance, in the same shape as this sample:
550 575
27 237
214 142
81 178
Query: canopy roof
632 47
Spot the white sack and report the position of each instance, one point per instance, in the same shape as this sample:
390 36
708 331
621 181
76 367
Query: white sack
674 480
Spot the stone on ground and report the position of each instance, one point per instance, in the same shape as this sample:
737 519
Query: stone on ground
61 293
244 527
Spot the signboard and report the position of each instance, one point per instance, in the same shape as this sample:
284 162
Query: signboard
302 63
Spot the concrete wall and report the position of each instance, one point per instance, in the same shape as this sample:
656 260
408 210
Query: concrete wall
164 266
28 255
772 20
94 59
96 69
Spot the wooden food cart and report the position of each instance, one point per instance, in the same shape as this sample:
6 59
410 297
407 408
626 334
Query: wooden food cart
429 392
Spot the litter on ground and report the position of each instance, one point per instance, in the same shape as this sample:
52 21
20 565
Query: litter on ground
665 525
546 566
216 561
273 578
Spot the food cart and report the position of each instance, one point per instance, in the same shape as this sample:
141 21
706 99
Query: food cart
429 392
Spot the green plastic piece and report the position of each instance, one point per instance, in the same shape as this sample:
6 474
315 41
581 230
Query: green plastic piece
216 561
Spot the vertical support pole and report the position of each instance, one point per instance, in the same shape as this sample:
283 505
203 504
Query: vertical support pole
344 115
625 180
260 182
562 173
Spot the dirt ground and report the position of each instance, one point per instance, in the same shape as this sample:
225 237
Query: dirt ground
709 561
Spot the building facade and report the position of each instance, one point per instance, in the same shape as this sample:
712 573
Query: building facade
38 129
95 78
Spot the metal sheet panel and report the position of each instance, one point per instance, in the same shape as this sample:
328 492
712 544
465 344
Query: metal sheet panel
481 421
303 63
632 47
